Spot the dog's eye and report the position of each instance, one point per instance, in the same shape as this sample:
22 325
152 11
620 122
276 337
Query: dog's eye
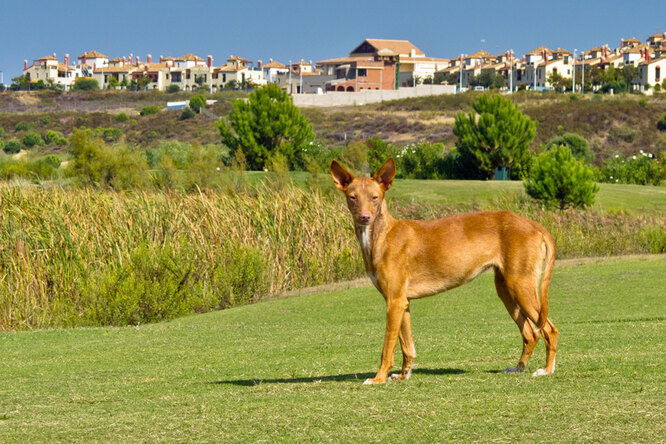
375 198
352 198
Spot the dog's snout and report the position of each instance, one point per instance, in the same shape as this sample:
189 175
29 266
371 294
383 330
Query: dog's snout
364 217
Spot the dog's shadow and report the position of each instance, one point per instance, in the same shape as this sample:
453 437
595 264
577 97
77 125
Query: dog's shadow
333 378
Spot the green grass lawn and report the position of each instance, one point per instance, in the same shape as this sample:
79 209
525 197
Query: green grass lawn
291 370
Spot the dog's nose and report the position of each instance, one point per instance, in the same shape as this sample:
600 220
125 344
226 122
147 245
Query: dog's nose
364 217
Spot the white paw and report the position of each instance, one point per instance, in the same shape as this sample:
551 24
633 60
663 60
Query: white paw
540 372
396 376
368 382
512 370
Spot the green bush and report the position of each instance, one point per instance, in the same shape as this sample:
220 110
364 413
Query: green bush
54 138
85 84
187 113
640 169
20 126
95 164
197 102
173 88
112 135
576 143
661 124
32 139
2 132
421 161
148 110
622 133
121 117
559 180
12 147
46 120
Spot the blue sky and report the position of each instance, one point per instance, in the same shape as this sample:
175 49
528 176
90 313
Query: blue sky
291 30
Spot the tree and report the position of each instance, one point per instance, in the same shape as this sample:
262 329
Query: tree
559 180
495 135
197 102
85 84
488 80
579 147
558 82
266 124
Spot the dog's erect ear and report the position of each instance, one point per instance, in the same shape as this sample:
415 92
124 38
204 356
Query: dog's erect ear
341 176
385 175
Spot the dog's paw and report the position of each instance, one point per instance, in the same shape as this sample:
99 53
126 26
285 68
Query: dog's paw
541 372
401 376
513 370
372 381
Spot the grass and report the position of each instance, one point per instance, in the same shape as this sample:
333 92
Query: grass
290 370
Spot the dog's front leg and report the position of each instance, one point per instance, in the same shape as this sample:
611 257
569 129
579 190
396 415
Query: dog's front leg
407 345
394 316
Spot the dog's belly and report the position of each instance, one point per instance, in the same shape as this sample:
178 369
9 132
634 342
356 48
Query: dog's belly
428 284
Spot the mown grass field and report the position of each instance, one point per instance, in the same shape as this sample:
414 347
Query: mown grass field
290 370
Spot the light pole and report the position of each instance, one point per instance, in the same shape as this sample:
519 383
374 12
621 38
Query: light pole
582 82
461 69
573 77
290 68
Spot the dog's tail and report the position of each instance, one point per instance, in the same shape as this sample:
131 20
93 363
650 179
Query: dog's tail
549 245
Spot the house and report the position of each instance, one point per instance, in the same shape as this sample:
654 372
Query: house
272 69
365 68
656 40
118 69
89 61
652 72
50 71
239 70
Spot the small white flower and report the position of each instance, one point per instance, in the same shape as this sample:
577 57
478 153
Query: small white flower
617 155
650 156
611 177
616 180
218 168
634 157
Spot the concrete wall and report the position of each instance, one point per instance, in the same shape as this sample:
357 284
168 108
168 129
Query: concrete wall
369 96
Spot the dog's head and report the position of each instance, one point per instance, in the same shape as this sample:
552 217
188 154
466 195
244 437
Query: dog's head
364 194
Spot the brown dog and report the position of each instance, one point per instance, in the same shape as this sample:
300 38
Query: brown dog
409 259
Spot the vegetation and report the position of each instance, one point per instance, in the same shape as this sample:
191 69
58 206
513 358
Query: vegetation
245 374
559 180
148 110
85 84
197 102
495 135
642 169
576 143
12 147
265 125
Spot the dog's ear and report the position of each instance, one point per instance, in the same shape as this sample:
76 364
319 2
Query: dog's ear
385 175
341 176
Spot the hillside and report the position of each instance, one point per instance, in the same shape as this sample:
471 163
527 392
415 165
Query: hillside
621 124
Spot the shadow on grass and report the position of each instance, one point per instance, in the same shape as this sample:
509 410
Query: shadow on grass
334 378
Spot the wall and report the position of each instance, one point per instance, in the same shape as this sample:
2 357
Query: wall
369 96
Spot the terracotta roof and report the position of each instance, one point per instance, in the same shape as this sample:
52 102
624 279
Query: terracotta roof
116 60
480 55
341 60
168 59
116 69
657 35
539 50
63 67
423 59
645 62
240 59
153 67
396 46
45 59
562 51
189 58
93 55
225 68
275 64
631 40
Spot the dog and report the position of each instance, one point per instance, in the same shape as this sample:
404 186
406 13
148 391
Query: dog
410 259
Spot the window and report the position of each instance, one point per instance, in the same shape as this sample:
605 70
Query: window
362 72
657 73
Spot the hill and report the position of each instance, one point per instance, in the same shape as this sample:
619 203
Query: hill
621 124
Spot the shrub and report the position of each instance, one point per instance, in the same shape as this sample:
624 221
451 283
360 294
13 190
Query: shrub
31 139
12 147
54 138
2 132
622 133
421 161
640 169
187 113
95 164
20 126
85 84
112 135
148 110
46 120
559 180
122 117
661 124
197 102
577 144
173 88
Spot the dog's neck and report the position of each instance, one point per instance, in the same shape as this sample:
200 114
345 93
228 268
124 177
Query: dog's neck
369 235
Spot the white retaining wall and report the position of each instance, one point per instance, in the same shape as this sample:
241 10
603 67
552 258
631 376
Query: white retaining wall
370 96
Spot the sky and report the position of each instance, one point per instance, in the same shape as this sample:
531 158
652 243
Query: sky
311 30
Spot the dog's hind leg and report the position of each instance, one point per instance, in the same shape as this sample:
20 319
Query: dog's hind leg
530 337
407 346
